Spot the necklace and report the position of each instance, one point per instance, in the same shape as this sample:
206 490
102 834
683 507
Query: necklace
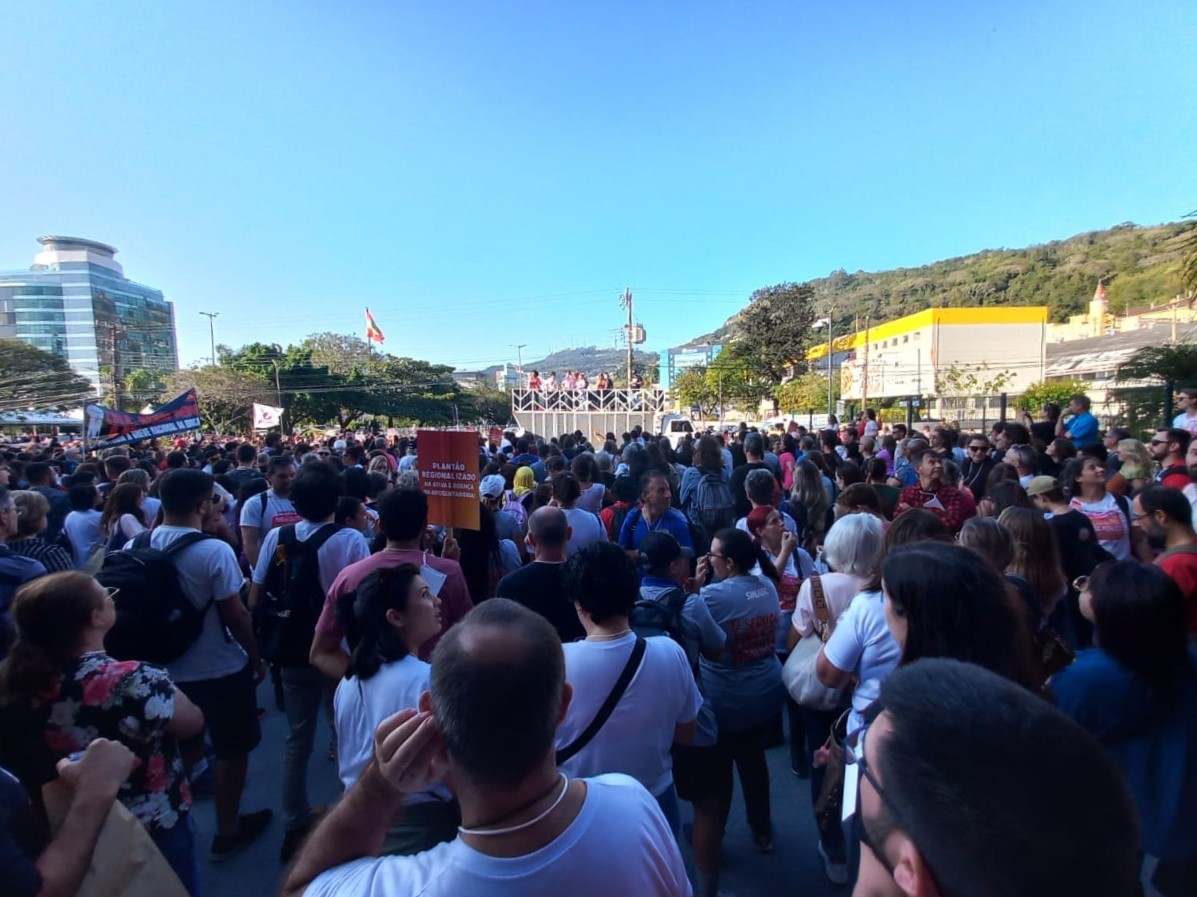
523 825
608 637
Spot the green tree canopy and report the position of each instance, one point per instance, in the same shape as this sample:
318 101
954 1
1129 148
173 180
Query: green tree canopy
776 324
33 380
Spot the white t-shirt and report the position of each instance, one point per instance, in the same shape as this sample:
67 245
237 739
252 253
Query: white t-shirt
838 591
83 529
342 549
149 507
130 526
1183 421
279 511
637 736
619 843
208 572
359 707
863 644
592 499
586 527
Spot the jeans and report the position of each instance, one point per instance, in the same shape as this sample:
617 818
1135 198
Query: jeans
177 846
746 749
304 690
817 724
667 801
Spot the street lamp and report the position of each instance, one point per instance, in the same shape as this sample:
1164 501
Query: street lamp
826 322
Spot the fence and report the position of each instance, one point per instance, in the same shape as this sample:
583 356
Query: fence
551 413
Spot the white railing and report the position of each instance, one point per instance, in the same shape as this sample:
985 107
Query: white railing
617 401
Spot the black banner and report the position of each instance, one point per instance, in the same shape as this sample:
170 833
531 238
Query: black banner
107 427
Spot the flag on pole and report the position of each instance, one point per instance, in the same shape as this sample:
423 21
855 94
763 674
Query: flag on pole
266 416
372 331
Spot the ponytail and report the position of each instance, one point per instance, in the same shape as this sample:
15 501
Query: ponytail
372 639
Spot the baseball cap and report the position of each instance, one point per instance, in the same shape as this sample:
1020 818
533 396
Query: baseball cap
339 445
659 548
1040 485
492 486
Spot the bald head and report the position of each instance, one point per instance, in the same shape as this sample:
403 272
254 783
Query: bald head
498 680
549 527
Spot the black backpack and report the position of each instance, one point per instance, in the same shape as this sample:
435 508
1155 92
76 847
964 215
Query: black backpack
661 616
711 506
155 620
292 597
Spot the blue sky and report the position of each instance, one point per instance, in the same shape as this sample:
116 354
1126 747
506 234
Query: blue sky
483 174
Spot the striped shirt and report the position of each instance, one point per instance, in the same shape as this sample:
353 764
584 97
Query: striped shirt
53 557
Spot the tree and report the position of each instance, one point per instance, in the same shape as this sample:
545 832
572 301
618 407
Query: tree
1145 404
691 390
776 323
33 380
224 395
142 386
1058 392
806 392
971 381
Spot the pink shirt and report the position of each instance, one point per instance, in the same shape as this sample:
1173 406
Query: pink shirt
454 595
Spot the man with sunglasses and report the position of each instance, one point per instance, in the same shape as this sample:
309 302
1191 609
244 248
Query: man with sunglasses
971 786
1168 447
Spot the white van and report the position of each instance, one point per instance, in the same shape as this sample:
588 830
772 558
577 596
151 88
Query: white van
675 427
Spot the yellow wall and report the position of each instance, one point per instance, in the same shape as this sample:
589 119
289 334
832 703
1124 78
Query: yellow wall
1036 314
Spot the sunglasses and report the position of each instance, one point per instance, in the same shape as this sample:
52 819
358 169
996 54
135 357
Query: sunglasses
1159 442
978 448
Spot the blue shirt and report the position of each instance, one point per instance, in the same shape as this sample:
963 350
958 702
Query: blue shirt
1083 428
744 685
635 527
1154 746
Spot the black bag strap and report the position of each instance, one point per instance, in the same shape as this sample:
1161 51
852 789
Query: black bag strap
178 544
621 685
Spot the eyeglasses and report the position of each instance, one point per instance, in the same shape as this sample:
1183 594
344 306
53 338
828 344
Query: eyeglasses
721 557
978 448
1159 442
112 591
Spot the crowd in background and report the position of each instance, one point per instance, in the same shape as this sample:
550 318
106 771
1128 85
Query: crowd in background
1009 615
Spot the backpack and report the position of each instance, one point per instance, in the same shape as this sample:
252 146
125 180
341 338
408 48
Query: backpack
155 620
711 507
292 597
660 616
617 521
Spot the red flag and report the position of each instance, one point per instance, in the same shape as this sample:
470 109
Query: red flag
372 331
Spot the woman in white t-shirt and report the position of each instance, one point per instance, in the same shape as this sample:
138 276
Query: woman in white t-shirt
1084 482
585 526
853 553
390 614
123 517
590 494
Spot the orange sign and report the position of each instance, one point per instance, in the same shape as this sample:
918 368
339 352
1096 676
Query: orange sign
448 462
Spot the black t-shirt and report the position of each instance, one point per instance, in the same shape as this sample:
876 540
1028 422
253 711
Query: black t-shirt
538 587
21 839
739 475
1044 431
1080 551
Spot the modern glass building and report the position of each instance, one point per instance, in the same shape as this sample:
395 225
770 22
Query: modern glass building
76 302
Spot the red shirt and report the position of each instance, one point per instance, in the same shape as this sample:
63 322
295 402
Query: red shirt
1182 567
947 503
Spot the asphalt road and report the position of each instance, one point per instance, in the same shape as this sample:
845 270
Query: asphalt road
793 867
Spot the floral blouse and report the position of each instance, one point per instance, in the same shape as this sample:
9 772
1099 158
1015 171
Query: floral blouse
130 702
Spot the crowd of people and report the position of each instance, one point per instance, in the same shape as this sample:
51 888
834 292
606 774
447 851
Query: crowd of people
977 647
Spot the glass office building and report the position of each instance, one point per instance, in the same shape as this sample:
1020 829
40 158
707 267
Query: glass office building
76 302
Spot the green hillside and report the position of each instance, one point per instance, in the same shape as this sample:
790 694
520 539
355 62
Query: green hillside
1139 265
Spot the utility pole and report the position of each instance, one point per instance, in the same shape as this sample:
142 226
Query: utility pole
830 367
864 394
212 316
626 301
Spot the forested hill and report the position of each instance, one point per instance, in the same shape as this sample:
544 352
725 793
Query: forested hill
1139 265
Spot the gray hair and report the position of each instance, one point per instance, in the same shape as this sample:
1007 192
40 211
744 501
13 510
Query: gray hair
853 545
